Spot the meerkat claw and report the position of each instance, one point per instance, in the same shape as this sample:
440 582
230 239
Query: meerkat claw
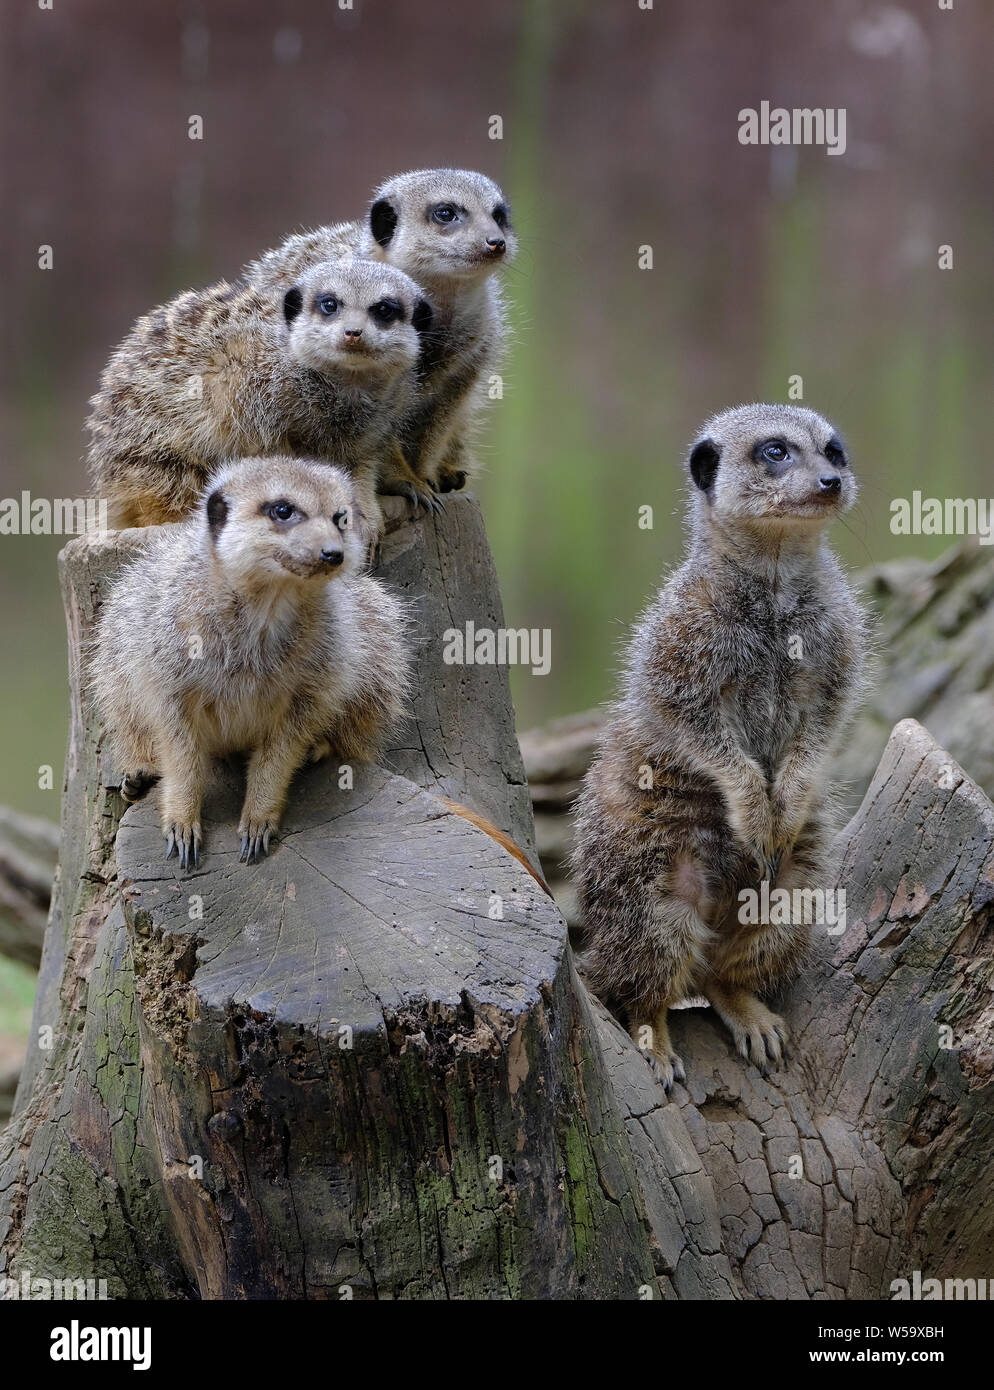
183 841
256 838
667 1070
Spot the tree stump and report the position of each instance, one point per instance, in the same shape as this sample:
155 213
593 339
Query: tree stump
361 1068
871 1155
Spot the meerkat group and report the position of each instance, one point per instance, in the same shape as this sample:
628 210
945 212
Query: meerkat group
264 417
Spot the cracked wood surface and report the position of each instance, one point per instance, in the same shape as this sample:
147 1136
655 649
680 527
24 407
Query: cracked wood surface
198 1127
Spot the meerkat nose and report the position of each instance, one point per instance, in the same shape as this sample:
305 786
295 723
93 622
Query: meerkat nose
353 333
496 245
332 556
830 482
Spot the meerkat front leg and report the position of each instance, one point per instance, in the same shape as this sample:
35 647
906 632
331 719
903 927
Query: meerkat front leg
270 770
398 479
454 467
652 1038
137 758
184 781
678 936
760 1036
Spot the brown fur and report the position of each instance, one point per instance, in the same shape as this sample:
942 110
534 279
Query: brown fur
224 373
495 833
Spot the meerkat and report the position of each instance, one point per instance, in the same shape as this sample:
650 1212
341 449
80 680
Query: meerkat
450 230
711 773
222 373
247 629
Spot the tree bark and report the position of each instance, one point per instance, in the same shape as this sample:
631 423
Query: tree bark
361 1068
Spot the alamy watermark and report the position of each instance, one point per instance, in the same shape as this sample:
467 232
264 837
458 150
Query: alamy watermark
26 1287
931 1290
792 906
775 125
949 516
503 646
52 516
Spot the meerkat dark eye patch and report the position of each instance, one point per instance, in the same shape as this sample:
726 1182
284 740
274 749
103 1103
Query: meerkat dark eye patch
423 316
293 302
502 216
775 456
444 214
704 463
387 311
217 512
282 510
382 221
835 452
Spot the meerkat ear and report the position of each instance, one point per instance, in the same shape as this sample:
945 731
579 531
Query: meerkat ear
293 302
382 221
704 458
423 316
217 512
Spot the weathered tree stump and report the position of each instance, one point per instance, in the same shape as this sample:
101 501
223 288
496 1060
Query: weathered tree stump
361 1068
886 1117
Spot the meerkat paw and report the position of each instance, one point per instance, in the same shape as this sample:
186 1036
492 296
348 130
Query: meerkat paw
256 833
184 841
451 480
134 785
422 494
667 1070
759 1035
653 1041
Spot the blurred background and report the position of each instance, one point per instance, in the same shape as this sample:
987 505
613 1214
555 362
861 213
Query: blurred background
619 130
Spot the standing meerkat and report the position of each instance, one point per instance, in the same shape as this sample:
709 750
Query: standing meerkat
246 629
449 229
221 373
711 774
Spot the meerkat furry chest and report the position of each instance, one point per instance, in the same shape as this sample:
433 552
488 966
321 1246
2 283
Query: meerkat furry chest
780 644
